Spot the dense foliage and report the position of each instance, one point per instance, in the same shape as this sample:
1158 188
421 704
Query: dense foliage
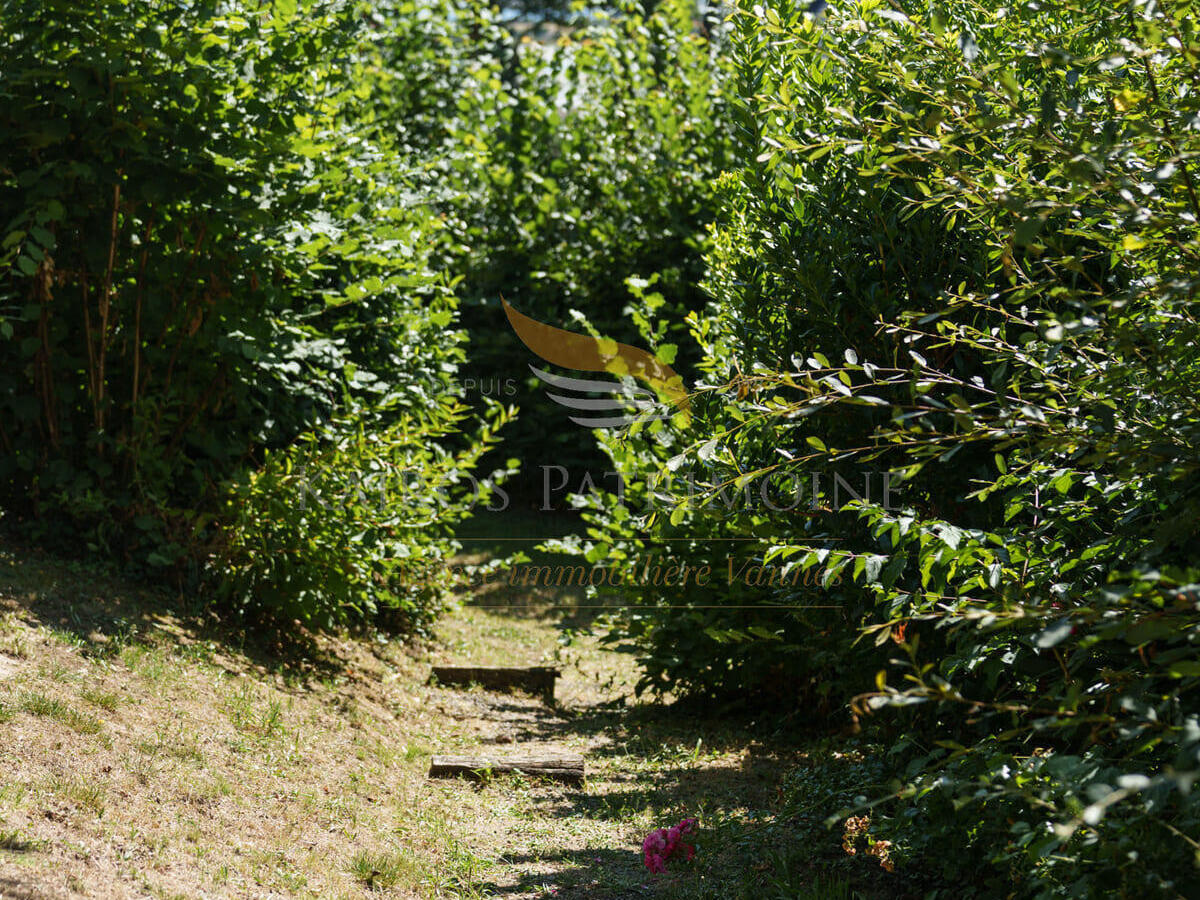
210 249
591 162
962 249
236 238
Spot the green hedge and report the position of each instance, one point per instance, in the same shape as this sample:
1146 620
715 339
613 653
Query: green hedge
216 241
591 162
961 248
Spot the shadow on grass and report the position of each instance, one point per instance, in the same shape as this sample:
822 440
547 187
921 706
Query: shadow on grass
101 614
717 873
509 540
656 731
660 764
599 873
15 889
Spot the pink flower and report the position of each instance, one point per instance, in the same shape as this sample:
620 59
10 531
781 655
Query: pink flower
662 844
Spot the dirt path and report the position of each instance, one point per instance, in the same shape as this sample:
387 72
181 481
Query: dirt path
143 755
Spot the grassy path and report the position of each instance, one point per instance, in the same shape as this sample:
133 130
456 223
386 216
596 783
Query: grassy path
145 753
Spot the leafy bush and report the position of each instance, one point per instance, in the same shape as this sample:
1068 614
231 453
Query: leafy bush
962 249
594 163
212 246
353 524
591 163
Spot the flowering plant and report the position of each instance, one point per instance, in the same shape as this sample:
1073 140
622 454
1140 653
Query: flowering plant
663 843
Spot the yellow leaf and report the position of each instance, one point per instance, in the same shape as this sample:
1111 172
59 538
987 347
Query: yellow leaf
1126 99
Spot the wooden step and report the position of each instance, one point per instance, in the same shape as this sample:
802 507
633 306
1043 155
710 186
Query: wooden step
567 768
531 679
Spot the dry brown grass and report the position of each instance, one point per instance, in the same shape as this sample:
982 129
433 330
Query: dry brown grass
145 753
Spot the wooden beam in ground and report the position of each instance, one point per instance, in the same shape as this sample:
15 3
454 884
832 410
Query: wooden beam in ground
531 679
566 768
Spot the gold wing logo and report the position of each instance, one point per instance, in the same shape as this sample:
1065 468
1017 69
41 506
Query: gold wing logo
584 353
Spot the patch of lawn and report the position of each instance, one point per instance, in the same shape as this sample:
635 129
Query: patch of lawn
52 708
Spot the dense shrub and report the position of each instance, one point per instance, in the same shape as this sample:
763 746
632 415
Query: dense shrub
235 237
211 246
962 248
592 162
354 523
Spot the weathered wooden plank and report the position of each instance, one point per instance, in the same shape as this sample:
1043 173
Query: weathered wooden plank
532 679
567 768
